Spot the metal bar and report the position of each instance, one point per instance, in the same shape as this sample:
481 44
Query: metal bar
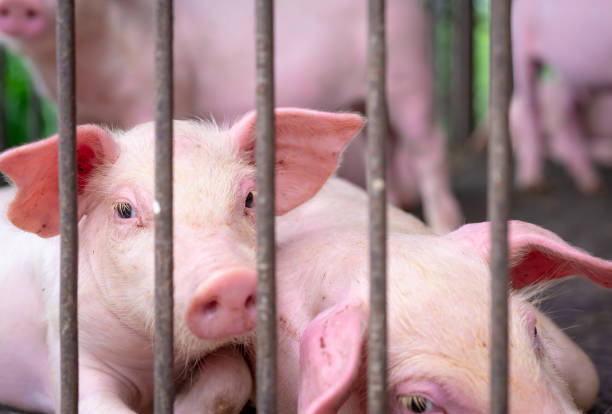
266 254
3 140
461 75
164 261
499 200
68 207
376 107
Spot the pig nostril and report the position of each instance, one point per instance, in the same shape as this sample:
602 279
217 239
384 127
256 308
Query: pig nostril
250 302
4 12
31 13
210 307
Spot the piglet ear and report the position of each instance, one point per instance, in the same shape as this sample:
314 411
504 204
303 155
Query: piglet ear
308 147
330 356
34 171
536 254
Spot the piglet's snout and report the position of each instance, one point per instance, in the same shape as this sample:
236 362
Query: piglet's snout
21 17
224 305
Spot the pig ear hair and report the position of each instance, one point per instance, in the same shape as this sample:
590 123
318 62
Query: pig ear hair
33 168
308 148
537 255
330 358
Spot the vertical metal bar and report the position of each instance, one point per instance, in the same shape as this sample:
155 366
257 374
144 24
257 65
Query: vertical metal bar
461 75
3 140
499 200
34 115
266 254
164 261
376 107
68 207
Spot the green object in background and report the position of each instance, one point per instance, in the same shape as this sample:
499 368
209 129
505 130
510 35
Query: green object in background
443 64
19 91
481 59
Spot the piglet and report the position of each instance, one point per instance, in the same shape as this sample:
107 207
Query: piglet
214 245
438 321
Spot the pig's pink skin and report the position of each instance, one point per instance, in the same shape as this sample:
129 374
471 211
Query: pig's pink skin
444 348
212 171
215 75
574 39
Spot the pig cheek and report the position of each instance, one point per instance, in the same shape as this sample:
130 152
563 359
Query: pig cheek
129 262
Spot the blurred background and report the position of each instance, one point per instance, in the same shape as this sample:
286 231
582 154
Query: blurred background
29 116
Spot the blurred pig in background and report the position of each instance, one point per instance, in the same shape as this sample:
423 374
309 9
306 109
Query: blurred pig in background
574 39
320 63
576 129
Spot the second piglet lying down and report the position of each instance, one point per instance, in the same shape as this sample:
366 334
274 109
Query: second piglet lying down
214 245
438 322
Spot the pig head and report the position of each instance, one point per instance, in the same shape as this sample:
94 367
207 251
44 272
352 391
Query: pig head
438 329
214 232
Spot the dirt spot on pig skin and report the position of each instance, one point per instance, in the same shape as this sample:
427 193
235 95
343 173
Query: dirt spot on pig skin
286 326
223 406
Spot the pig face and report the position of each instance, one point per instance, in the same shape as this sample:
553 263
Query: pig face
439 354
30 25
27 19
214 214
438 330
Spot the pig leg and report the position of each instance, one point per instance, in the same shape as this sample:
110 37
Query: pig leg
570 148
222 385
525 122
99 391
422 144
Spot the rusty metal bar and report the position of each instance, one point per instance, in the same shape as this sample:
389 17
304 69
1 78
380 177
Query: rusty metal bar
266 254
164 261
499 200
461 74
376 107
3 129
68 207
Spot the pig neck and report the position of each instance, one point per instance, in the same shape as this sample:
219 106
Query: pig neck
120 352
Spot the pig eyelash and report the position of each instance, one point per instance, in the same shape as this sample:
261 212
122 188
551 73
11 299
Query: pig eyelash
124 210
416 403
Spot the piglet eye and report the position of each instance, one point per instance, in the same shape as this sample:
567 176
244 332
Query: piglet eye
416 403
124 210
250 199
